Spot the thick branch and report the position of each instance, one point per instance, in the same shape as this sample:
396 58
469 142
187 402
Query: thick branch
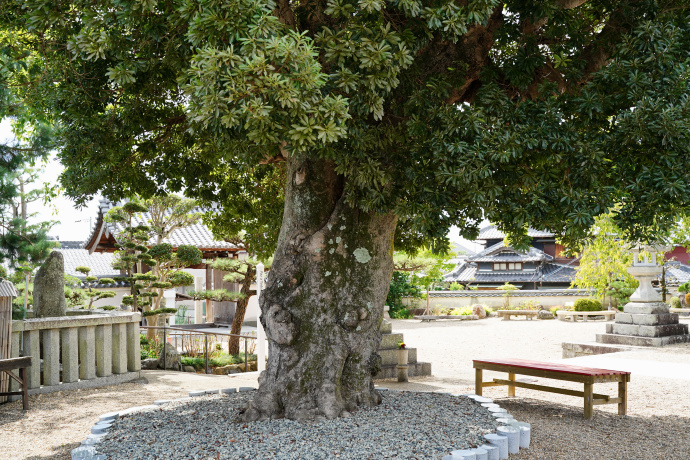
472 50
595 55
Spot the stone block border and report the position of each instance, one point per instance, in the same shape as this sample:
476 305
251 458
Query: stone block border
510 436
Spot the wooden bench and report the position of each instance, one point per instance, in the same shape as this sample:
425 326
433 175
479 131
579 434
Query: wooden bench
8 365
587 375
564 315
506 314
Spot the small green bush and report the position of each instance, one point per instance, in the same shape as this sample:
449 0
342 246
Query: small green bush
464 311
587 305
108 308
455 286
529 304
553 310
675 302
222 359
401 287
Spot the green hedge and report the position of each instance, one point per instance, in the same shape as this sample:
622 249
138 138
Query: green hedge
675 302
587 305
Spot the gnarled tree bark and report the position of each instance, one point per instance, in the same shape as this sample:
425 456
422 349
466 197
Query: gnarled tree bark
323 302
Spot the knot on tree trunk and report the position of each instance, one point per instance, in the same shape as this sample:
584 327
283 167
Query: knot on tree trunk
301 175
353 317
298 242
280 323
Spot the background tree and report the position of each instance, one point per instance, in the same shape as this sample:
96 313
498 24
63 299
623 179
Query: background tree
507 289
250 216
167 270
93 281
242 271
23 241
400 288
395 120
604 260
132 241
425 267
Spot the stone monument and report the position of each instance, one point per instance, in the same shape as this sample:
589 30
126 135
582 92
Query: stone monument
49 287
646 320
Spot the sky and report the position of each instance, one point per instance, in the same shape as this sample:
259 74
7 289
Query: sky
76 224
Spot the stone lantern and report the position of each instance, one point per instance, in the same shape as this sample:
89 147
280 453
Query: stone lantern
644 270
646 320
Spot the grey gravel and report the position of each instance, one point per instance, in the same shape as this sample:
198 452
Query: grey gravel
407 425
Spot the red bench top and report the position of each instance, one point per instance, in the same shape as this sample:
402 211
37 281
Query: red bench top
556 367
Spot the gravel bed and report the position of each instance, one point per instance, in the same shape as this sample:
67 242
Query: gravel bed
406 425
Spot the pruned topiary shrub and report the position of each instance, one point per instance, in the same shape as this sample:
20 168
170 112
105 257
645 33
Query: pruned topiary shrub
587 305
675 302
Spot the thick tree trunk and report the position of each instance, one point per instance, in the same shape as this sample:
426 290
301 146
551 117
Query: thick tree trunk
323 302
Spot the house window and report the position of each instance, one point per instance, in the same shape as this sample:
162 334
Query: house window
508 266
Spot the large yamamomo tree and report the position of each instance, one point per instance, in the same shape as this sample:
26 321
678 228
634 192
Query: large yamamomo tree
391 120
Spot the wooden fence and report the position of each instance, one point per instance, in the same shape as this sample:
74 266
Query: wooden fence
7 292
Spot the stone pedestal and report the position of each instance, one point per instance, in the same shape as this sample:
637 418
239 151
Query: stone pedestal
402 366
646 320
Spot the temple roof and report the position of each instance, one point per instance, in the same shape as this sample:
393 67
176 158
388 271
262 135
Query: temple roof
104 235
499 252
547 273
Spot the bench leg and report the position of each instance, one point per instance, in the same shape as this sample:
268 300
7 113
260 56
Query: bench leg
511 388
478 382
589 400
623 396
25 391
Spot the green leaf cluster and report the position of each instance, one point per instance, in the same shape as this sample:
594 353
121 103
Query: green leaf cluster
443 113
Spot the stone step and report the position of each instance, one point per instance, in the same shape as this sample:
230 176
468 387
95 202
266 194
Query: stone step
389 356
663 330
642 341
647 320
391 340
386 328
414 370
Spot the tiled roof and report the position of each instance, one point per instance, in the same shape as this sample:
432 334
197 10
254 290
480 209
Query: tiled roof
492 233
197 235
7 289
99 263
71 244
676 273
499 252
546 273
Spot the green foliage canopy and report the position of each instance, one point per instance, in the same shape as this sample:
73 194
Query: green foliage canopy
547 113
